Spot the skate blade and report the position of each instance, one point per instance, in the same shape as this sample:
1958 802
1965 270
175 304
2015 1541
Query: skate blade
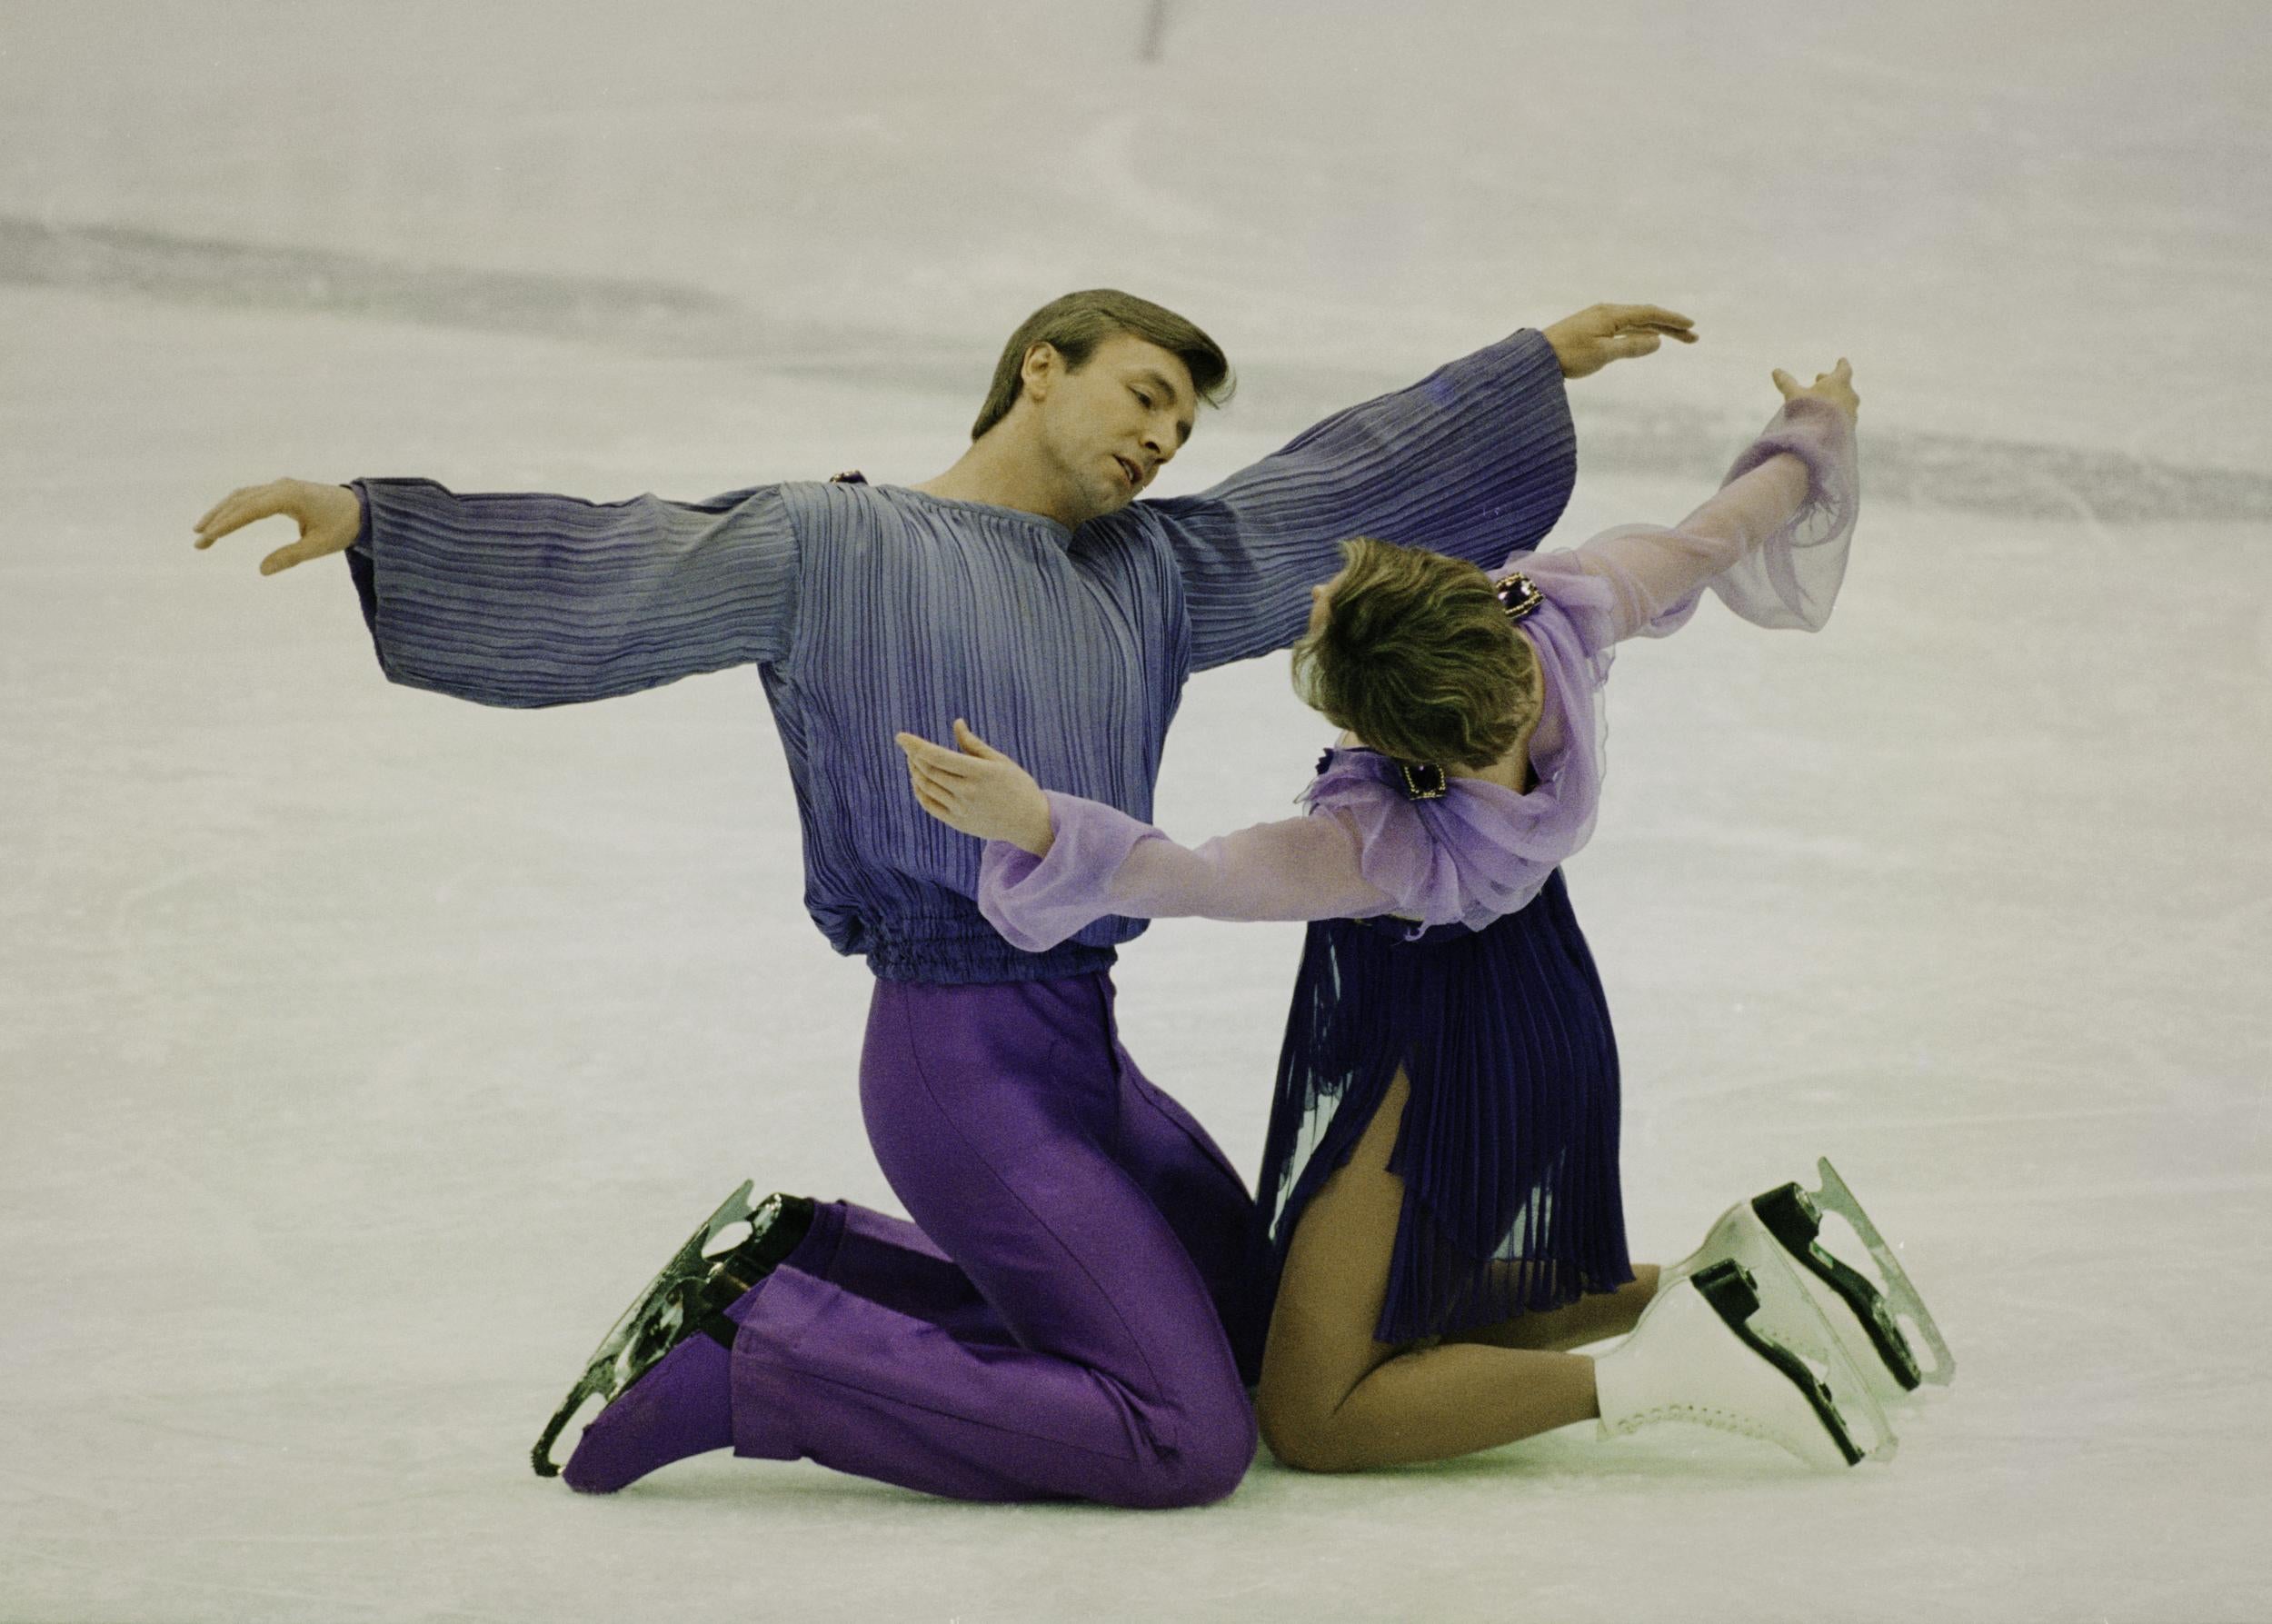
1771 1231
1814 1363
1788 1217
1906 1304
583 1393
659 1318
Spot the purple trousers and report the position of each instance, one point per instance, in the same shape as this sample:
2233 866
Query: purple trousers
1079 1304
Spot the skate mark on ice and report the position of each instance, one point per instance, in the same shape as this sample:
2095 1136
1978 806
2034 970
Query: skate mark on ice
1973 473
198 270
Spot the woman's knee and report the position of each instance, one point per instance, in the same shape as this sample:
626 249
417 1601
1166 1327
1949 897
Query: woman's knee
1301 1434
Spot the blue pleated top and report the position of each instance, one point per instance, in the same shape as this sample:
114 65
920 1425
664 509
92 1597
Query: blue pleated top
871 609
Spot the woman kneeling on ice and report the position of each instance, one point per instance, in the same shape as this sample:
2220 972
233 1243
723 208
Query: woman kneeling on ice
1440 1169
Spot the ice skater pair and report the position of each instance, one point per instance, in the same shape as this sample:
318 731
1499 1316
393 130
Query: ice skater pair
1451 1232
1074 1307
1441 1162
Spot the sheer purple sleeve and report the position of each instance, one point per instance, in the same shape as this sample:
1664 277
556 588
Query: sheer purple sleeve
1772 544
1102 862
1478 850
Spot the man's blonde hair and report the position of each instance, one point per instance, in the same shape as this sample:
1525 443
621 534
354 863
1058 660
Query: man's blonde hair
1418 659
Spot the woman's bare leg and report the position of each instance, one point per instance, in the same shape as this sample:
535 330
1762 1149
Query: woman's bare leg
1334 1399
1589 1320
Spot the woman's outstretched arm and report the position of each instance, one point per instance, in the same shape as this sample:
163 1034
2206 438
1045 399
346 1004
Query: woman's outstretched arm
1056 863
1771 543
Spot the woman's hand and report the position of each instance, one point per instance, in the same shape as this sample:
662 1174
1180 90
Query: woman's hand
1836 386
979 790
329 517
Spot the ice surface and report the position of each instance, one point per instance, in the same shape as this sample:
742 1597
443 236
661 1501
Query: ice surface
361 1053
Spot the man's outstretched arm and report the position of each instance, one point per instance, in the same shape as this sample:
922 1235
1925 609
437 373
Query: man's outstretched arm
532 599
1477 460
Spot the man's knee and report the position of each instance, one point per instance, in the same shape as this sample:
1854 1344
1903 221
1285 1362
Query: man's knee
1206 1468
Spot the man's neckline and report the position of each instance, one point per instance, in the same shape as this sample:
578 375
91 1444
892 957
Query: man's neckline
995 509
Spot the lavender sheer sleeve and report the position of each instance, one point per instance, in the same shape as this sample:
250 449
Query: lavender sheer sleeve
1102 862
1772 544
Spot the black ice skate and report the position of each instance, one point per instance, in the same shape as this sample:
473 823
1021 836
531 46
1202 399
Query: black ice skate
718 1262
1794 1216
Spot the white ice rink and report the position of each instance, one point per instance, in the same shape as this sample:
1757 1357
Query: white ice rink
362 1051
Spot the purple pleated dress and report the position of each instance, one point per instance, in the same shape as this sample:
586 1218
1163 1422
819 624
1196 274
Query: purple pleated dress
1508 1149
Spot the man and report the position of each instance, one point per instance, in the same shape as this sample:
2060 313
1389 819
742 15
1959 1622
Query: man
1077 1307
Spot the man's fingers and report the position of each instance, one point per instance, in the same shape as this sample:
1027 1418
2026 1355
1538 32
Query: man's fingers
1624 345
1619 317
1785 382
241 507
214 509
284 558
227 513
223 518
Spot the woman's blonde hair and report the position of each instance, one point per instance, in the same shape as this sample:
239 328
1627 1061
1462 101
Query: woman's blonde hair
1418 659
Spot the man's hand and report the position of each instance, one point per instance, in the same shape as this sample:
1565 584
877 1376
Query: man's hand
1836 386
1588 341
980 791
329 517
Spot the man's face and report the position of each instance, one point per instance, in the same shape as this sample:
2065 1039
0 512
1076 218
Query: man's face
1110 426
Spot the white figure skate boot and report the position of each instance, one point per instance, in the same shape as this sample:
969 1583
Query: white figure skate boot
1745 1351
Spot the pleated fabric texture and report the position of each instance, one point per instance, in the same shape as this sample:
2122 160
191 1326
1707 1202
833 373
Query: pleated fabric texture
869 609
1508 1149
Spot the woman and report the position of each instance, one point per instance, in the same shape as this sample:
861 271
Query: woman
1441 1161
